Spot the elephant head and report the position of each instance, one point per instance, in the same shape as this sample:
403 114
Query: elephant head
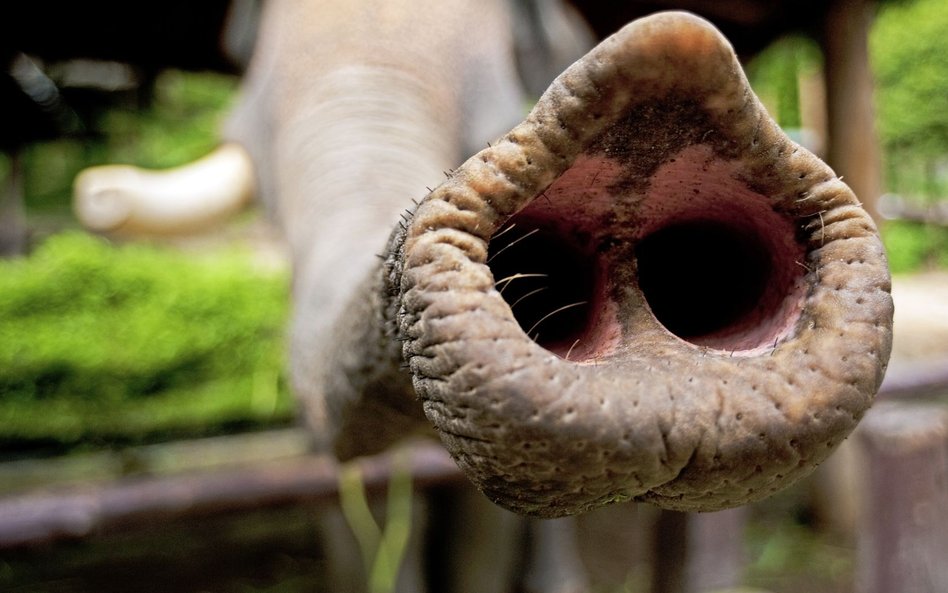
645 291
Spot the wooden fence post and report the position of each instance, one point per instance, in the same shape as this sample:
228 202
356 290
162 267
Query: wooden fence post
852 145
903 542
699 552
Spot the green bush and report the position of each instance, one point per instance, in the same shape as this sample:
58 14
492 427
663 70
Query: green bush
913 246
909 54
122 343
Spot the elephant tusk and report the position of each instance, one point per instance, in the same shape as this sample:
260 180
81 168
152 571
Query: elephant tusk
193 197
733 316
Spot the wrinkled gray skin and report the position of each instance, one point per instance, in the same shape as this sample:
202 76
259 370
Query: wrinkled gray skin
349 110
654 128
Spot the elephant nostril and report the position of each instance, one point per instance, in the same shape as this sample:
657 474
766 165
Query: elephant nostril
716 264
729 278
547 281
702 277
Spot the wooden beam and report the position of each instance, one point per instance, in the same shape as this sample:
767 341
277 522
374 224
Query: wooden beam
79 511
852 144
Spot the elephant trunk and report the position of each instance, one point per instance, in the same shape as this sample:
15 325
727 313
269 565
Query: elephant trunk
340 344
645 291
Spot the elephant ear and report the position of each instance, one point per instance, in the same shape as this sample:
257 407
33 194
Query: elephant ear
645 291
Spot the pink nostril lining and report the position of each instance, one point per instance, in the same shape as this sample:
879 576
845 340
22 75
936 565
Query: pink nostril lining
717 266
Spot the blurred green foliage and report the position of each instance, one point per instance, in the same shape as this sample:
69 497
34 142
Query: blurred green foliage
909 56
181 124
913 246
788 556
119 343
909 52
908 49
775 75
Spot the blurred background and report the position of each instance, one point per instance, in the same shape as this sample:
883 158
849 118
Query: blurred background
110 346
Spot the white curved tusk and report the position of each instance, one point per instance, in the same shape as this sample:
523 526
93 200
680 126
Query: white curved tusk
192 197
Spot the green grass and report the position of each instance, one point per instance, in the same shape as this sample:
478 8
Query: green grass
104 343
